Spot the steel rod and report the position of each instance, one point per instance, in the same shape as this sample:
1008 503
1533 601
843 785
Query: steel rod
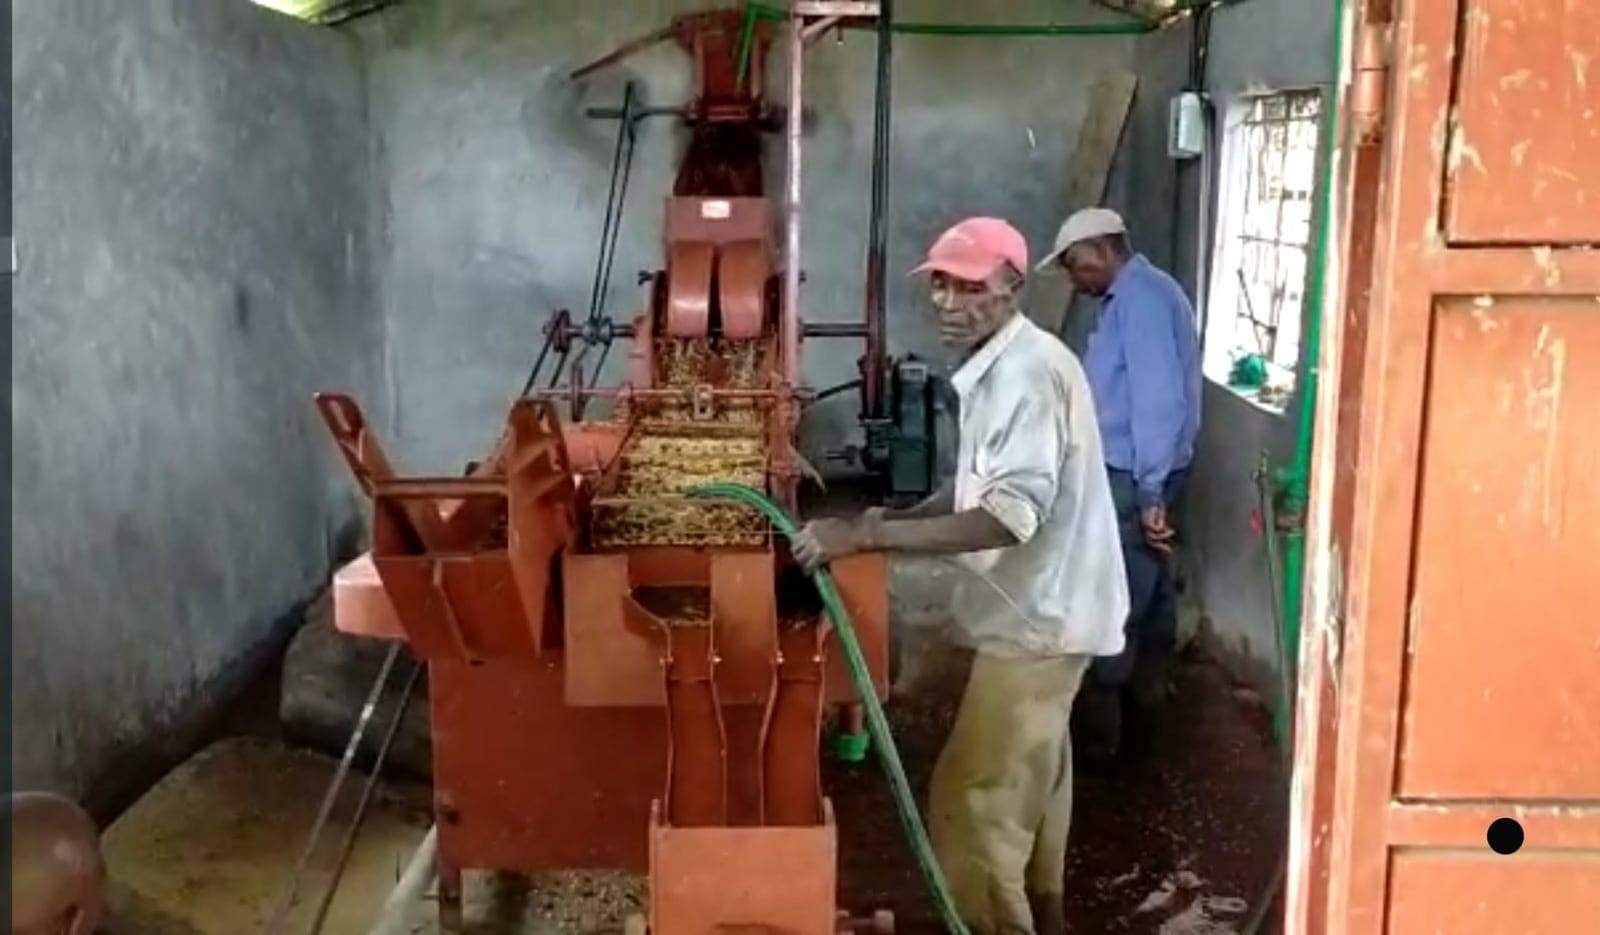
367 790
613 215
576 332
280 914
1040 29
835 329
1134 26
605 352
561 367
635 115
791 314
550 331
872 373
443 488
538 364
836 390
575 382
609 248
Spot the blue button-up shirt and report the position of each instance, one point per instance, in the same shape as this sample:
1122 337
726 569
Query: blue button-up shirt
1143 362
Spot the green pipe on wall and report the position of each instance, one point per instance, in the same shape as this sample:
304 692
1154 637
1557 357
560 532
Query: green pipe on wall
1294 481
1133 26
1129 28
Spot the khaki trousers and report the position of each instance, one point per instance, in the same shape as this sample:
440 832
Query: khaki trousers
1001 796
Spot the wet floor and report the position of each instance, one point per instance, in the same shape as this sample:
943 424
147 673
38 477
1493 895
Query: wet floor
1179 838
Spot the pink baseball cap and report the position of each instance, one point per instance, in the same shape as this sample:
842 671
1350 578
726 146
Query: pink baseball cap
974 248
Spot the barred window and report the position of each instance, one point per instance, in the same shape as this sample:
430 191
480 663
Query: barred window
1259 276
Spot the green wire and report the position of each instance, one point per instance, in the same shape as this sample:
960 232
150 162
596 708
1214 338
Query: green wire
747 33
877 723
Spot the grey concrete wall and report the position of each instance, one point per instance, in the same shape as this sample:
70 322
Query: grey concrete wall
191 221
1148 196
1145 183
1264 45
1229 558
493 182
1255 46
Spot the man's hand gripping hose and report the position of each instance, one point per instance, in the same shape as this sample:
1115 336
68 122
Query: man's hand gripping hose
877 724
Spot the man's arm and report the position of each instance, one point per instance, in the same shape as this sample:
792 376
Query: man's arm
973 530
1156 388
1012 502
941 502
928 526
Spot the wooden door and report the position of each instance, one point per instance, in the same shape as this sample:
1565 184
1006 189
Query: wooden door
1451 675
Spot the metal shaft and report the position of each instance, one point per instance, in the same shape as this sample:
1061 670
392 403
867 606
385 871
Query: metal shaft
345 849
877 236
835 329
280 914
791 273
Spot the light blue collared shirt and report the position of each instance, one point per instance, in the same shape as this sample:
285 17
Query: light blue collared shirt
1143 362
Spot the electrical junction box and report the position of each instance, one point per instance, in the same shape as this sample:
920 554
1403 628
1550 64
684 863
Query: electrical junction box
1186 126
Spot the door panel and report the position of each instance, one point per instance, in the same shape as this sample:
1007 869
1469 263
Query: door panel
1523 155
1503 645
1485 894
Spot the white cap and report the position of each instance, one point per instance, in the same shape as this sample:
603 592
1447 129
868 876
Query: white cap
1082 225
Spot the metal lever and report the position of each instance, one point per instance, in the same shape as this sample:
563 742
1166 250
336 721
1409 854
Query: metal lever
635 114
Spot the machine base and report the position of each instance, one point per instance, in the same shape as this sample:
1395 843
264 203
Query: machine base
729 879
523 782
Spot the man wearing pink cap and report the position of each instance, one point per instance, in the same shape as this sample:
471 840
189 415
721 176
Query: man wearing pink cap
1029 515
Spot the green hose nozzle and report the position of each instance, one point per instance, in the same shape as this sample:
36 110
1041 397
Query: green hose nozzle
850 748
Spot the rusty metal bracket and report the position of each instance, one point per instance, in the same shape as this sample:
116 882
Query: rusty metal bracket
371 467
349 429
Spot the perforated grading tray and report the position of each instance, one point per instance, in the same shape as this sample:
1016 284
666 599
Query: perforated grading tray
675 520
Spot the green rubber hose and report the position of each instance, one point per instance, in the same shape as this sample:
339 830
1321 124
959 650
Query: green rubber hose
877 724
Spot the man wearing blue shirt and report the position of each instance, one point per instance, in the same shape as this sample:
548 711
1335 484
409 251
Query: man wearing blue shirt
1143 364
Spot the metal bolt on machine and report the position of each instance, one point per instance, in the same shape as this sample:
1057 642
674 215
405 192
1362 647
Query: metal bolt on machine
622 676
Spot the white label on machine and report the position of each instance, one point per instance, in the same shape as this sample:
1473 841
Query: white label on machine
715 210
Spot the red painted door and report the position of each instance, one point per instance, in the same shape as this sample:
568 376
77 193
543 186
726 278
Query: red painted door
1452 670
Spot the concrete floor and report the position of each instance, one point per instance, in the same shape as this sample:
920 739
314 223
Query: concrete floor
209 849
569 903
